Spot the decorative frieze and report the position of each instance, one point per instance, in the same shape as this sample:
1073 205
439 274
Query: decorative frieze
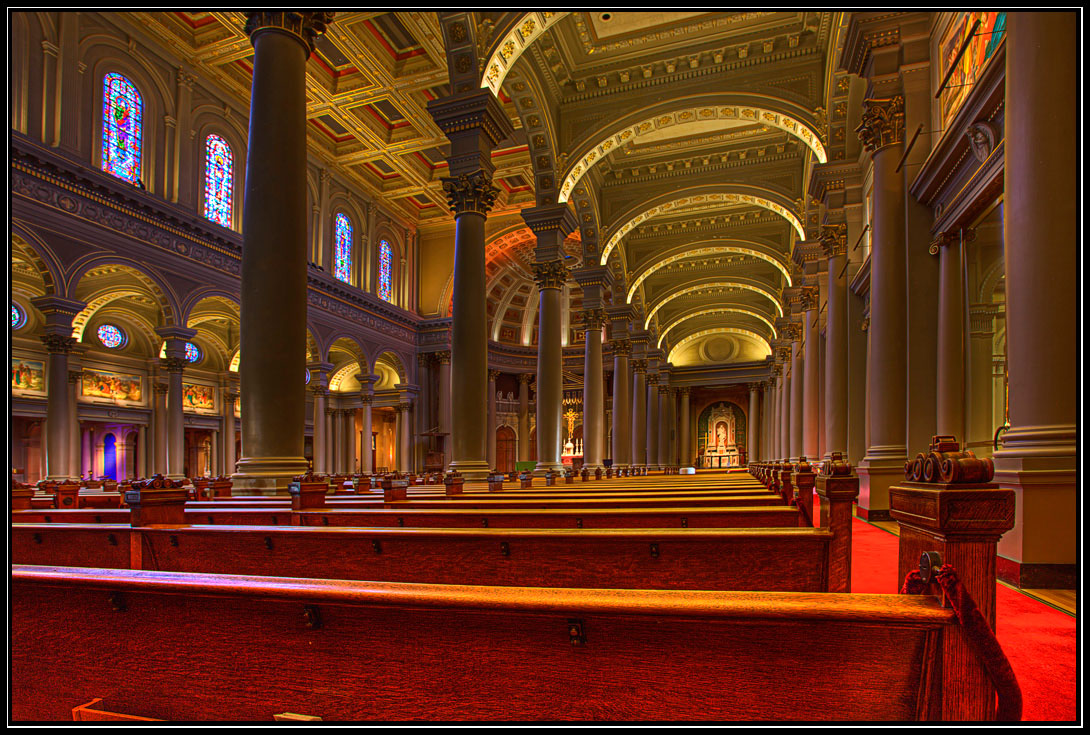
883 122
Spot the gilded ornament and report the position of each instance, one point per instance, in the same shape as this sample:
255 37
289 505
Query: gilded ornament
470 193
883 122
458 32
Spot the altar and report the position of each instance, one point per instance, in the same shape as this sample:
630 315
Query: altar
717 448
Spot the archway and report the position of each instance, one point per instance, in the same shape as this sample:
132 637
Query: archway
506 449
109 456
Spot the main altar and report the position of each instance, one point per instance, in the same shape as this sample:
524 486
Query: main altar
717 446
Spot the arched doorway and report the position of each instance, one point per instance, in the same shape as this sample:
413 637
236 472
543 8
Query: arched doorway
506 449
109 456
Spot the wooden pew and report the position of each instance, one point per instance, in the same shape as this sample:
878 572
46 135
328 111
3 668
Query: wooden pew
784 559
440 652
774 516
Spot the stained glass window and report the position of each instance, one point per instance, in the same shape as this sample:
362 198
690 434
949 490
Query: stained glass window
218 179
17 317
385 255
342 267
110 336
122 110
993 26
192 352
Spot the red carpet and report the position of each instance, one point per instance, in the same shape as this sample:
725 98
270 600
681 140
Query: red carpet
1039 640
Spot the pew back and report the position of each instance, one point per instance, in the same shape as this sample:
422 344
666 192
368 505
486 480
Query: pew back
351 651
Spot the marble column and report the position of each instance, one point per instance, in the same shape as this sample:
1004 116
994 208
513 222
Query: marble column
593 393
672 423
882 134
550 277
87 466
981 427
664 425
58 314
423 409
321 395
474 121
834 243
351 443
622 404
653 422
811 371
785 409
950 398
754 423
493 375
524 416
443 358
1038 456
639 413
274 253
331 439
228 433
798 382
74 378
160 417
174 364
367 462
142 454
403 413
683 430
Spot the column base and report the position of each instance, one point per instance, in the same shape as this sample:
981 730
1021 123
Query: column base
471 469
543 467
875 478
266 475
1042 548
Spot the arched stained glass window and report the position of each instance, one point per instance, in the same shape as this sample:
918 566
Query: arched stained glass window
111 336
385 258
342 235
192 352
122 112
218 180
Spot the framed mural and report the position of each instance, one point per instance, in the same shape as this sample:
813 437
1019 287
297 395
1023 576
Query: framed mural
121 388
198 397
27 377
981 48
721 435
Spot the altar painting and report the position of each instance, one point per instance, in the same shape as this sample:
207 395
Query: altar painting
27 376
117 387
721 433
198 397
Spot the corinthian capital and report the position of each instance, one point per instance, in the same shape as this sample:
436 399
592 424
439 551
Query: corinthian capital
883 122
639 366
173 364
305 26
622 347
57 343
594 318
551 274
470 193
834 239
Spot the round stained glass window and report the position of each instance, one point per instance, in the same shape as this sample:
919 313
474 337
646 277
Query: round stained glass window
110 336
308 375
192 352
18 318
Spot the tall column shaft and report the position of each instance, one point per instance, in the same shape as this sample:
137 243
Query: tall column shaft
882 132
754 424
549 364
175 419
664 426
950 403
524 417
980 427
798 382
811 388
639 413
74 377
684 452
444 402
228 433
142 454
1038 456
593 398
58 412
274 253
653 422
622 405
492 422
836 358
366 462
785 414
160 429
469 349
331 441
319 437
403 414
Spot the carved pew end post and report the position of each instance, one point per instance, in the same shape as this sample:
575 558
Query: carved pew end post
157 501
453 483
308 492
837 487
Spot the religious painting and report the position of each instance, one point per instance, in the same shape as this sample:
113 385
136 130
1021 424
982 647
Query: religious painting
27 377
981 48
721 435
117 387
198 397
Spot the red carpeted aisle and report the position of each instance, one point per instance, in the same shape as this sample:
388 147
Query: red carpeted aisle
1039 640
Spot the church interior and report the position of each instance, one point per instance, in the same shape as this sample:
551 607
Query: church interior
537 366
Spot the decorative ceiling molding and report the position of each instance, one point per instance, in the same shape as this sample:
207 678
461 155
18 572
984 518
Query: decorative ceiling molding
715 330
511 47
700 249
714 310
715 284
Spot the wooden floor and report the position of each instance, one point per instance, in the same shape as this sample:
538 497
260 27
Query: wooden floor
1065 600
